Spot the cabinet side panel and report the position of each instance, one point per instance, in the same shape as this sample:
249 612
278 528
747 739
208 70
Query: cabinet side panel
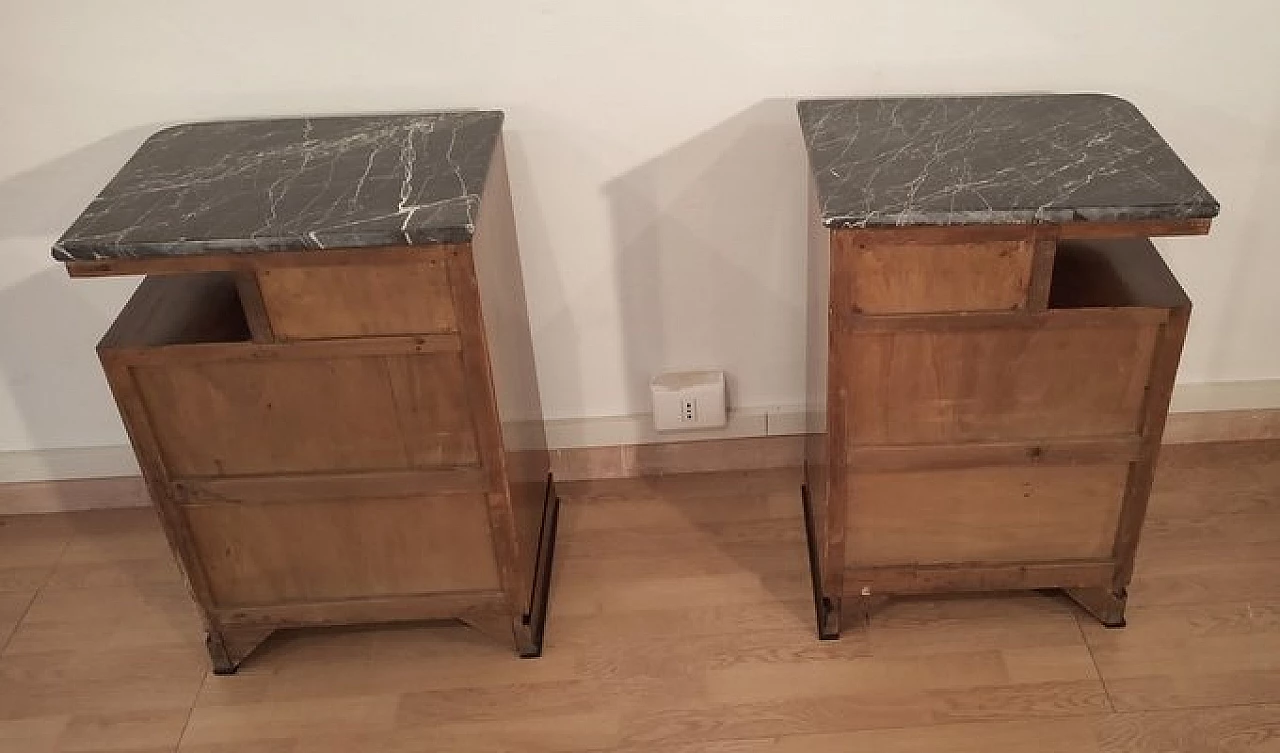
496 258
817 345
1155 411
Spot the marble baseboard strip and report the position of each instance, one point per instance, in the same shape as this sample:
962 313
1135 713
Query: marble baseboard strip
625 461
71 495
1222 426
631 461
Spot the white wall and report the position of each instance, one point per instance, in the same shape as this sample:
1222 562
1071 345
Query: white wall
655 156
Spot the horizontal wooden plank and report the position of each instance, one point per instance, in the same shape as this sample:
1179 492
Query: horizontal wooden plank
336 549
318 303
975 454
917 278
989 514
316 486
356 611
252 262
188 353
976 577
337 414
1065 318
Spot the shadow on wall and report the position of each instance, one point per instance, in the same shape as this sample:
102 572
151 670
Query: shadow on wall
51 323
43 201
1252 308
1230 273
542 283
711 271
711 238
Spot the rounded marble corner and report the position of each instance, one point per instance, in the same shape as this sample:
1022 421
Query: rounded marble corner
170 130
1114 98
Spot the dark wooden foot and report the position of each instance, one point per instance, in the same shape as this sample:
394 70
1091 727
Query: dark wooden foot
228 647
828 619
528 643
826 608
526 630
219 657
1105 605
529 632
857 610
494 625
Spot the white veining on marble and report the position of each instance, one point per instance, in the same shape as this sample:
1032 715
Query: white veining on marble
993 160
293 184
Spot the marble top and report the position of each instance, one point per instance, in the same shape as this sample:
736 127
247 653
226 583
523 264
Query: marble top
279 185
1013 159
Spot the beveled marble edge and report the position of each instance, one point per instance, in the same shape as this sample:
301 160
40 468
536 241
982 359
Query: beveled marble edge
89 252
1201 206
355 236
1021 217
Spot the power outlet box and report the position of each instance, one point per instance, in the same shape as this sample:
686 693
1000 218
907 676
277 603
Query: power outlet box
688 400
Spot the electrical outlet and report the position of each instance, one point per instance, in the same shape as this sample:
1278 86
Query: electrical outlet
688 400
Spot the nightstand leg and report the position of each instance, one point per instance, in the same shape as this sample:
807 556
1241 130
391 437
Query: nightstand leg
858 611
228 647
218 655
534 624
527 629
828 618
826 608
1105 605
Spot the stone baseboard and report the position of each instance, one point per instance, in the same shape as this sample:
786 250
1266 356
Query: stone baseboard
740 453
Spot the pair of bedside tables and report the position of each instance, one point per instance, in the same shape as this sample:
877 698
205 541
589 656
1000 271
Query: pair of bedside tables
328 376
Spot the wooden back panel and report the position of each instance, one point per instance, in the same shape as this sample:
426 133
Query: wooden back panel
321 437
298 415
902 278
406 297
1053 378
823 470
987 514
278 552
1080 368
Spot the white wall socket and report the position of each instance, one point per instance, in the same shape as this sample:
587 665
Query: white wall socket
688 400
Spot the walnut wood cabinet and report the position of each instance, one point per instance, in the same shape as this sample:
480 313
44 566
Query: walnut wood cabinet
343 435
987 380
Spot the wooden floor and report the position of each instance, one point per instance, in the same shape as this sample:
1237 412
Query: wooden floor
681 621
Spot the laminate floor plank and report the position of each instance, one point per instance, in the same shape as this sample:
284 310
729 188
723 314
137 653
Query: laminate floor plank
681 622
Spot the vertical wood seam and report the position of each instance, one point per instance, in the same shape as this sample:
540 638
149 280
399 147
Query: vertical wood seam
486 423
1044 247
135 415
836 517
